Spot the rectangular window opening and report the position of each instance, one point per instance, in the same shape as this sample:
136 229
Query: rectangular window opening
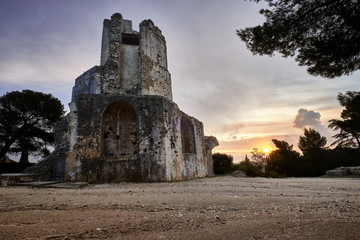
130 39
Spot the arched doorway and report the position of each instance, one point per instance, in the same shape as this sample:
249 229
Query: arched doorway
119 138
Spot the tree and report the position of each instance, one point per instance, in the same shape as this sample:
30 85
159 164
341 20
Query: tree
26 122
311 141
349 127
314 161
222 163
260 158
324 34
250 168
283 161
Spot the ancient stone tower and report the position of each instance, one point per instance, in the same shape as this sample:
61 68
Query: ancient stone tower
123 125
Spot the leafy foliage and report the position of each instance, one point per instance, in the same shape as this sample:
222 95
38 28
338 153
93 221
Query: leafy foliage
283 161
250 168
311 141
324 34
26 122
259 160
349 127
258 155
222 163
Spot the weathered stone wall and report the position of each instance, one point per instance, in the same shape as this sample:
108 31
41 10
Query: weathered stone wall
112 36
105 42
88 83
210 142
155 77
129 71
153 152
111 55
131 62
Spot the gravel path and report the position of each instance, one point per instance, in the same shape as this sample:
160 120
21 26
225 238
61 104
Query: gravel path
212 208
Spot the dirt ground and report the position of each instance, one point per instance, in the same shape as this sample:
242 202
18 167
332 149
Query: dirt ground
212 208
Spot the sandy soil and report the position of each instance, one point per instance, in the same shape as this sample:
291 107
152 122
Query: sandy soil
213 208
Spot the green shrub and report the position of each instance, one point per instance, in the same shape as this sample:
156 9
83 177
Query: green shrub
222 163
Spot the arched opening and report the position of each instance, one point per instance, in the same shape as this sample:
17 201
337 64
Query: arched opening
187 136
119 131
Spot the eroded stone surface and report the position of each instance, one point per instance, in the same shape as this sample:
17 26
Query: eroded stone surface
131 62
344 171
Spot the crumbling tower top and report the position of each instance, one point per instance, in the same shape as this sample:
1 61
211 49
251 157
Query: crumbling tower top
131 62
116 31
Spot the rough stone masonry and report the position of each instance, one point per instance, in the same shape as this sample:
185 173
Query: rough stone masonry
123 124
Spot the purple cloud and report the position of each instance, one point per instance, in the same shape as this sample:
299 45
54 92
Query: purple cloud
307 118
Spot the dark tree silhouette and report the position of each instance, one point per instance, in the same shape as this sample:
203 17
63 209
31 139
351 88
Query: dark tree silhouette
349 127
283 161
324 34
26 122
311 141
222 162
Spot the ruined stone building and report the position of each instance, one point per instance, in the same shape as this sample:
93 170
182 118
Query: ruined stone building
123 124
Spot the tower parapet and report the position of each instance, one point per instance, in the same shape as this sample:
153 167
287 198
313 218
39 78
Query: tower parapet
131 62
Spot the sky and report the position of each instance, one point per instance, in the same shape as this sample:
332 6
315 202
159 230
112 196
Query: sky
243 99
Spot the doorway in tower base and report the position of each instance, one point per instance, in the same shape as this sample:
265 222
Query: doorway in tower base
119 132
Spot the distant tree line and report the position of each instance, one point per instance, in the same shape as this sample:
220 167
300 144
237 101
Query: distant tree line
315 159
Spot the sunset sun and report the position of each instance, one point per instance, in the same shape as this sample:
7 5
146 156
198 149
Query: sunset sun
267 150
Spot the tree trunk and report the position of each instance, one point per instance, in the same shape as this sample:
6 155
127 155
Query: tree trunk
24 159
6 147
357 139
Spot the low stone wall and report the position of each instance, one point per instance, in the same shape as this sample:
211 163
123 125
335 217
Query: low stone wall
343 171
8 179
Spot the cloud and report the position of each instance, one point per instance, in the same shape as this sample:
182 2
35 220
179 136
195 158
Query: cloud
265 128
307 118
